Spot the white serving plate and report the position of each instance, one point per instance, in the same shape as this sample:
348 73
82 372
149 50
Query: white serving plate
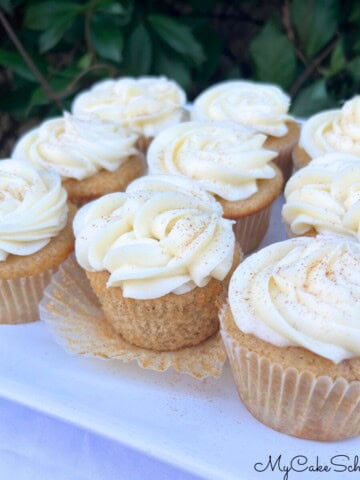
198 426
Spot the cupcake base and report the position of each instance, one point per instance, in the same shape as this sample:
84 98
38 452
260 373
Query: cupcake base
284 146
73 314
300 158
23 279
252 215
302 402
103 182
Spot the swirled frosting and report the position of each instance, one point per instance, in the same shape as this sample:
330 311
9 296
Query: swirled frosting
145 105
260 106
164 234
325 196
225 158
303 292
333 131
76 147
32 208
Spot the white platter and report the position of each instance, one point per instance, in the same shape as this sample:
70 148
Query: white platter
198 426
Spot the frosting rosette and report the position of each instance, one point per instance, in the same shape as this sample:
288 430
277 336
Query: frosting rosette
33 208
302 292
225 158
333 131
164 234
76 146
260 106
325 196
145 105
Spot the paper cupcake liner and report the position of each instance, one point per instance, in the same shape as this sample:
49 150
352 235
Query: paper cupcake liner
284 161
20 297
293 402
72 312
250 230
143 143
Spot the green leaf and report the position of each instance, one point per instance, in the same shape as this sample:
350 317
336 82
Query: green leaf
213 47
139 51
172 66
121 8
355 13
107 39
50 38
85 61
315 22
7 6
15 102
312 99
14 62
178 36
354 68
337 60
43 15
273 56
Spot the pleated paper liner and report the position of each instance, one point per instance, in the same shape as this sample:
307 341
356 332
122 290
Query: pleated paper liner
296 403
72 312
250 230
284 161
20 297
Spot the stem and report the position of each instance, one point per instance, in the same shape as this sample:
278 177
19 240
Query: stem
286 21
313 66
29 62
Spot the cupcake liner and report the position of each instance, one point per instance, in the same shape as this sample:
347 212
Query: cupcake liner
284 161
143 143
250 230
293 402
20 297
73 314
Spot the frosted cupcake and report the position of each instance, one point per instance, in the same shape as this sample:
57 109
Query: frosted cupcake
332 131
35 237
292 333
260 106
157 257
324 198
230 162
93 157
144 105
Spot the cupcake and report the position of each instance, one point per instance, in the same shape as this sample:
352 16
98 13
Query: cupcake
324 197
259 106
157 257
93 157
230 162
292 333
144 105
35 237
332 131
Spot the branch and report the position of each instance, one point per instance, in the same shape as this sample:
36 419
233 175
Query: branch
313 66
286 21
29 62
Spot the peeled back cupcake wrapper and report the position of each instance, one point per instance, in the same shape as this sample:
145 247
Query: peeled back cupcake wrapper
72 312
293 402
20 297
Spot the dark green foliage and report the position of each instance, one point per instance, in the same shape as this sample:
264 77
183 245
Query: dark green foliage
311 48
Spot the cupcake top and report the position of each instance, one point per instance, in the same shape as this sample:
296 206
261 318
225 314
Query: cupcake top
325 196
144 105
225 158
302 292
164 234
260 106
76 146
333 131
33 208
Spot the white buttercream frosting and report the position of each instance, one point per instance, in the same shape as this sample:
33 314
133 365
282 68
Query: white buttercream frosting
33 208
325 196
144 105
333 131
260 106
226 158
76 146
303 292
164 234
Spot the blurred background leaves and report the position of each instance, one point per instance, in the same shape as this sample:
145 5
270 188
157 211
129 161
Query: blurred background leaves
51 49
